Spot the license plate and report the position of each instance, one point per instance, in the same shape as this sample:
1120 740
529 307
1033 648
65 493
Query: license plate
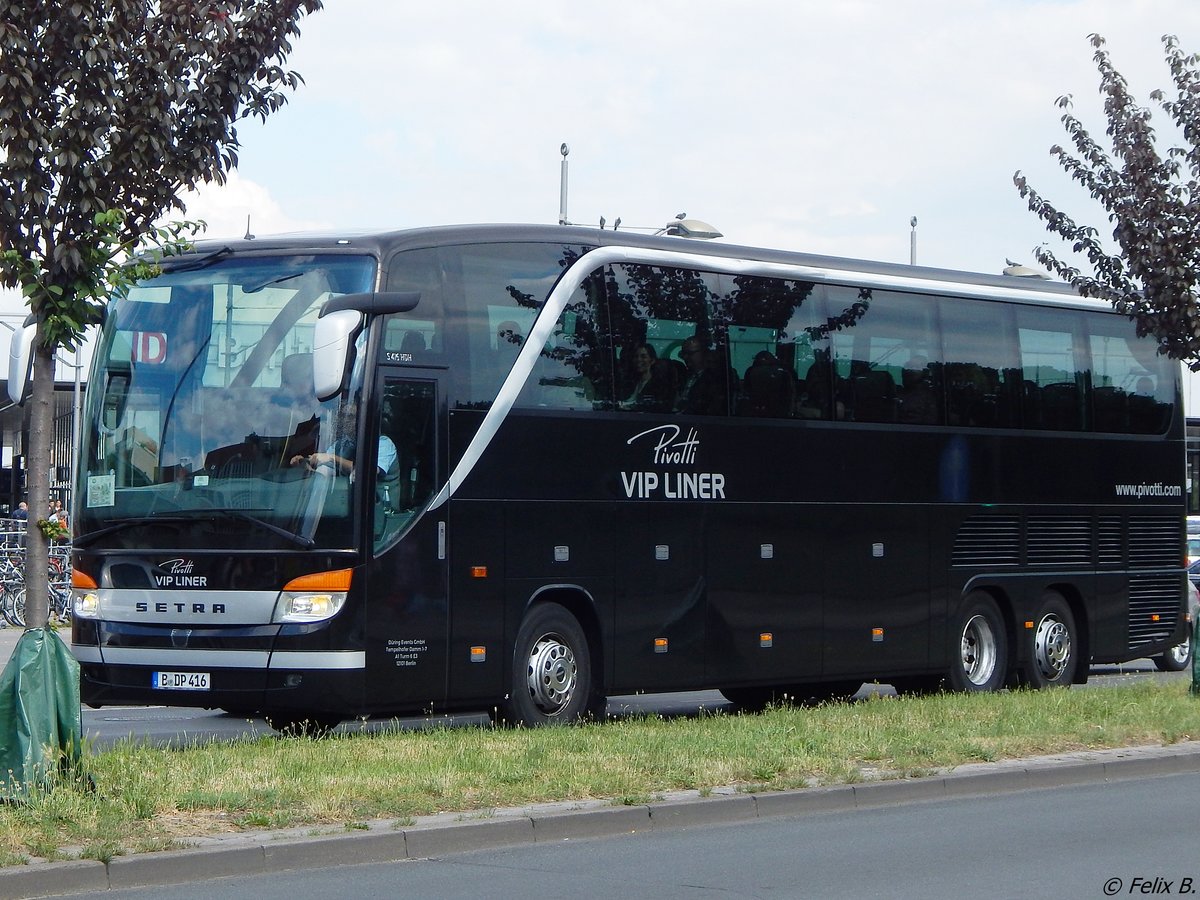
180 681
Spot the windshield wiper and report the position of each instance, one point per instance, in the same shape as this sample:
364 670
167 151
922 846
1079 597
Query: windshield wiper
91 537
255 288
306 543
188 263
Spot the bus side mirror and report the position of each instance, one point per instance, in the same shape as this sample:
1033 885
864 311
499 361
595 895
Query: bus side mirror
20 361
116 395
340 320
333 345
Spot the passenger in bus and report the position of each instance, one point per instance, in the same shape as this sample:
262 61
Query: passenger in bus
413 342
340 454
770 388
704 392
655 386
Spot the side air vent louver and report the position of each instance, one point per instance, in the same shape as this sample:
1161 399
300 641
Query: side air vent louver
988 541
1059 541
1155 542
1153 607
1111 549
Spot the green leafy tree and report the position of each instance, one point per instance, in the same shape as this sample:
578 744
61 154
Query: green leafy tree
1152 200
109 110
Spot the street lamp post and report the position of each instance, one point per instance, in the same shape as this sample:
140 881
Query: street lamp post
680 226
562 186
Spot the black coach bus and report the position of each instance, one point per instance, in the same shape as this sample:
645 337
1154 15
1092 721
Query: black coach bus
521 468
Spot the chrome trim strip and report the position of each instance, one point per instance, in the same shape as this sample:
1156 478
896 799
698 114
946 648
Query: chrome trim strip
570 281
319 659
166 657
86 653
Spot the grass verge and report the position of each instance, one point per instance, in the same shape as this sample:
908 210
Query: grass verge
150 799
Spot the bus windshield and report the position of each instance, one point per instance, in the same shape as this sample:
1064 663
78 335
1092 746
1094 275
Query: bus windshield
205 416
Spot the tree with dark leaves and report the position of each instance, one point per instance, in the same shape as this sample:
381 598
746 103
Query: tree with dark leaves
109 110
1152 202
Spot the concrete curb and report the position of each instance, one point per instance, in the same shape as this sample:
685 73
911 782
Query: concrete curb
447 833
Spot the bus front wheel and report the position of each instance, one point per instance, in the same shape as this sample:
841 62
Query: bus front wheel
552 680
979 657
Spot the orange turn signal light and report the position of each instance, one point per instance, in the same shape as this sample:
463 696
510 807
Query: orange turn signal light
83 580
334 580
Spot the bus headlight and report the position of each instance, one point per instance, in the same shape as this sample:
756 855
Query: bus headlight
85 596
314 597
85 604
308 607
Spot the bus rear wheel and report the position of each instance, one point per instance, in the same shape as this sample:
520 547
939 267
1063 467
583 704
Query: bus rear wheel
980 654
552 681
1175 659
1054 649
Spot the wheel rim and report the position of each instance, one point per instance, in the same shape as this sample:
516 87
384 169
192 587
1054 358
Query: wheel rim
1052 647
552 674
1179 653
978 651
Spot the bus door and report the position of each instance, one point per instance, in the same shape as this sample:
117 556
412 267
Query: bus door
406 598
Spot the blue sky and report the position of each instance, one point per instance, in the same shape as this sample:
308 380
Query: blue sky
804 125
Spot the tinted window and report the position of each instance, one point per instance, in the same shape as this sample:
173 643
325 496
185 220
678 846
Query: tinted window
1053 380
670 331
477 304
888 364
981 371
1132 386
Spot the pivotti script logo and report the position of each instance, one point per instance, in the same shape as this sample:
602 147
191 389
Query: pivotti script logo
670 475
177 573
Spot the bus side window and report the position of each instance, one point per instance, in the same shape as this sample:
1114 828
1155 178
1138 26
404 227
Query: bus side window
983 377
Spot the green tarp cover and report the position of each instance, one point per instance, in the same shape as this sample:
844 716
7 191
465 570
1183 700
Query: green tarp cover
41 731
1196 654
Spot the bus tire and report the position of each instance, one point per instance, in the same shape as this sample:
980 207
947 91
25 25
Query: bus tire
552 681
1175 659
1053 648
979 656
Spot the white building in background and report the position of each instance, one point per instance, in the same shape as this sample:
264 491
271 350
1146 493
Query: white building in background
70 379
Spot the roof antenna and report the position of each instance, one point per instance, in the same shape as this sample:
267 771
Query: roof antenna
249 236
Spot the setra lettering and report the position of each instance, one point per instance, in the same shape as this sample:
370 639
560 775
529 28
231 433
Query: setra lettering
216 609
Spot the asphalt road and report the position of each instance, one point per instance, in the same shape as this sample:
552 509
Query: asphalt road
1121 838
